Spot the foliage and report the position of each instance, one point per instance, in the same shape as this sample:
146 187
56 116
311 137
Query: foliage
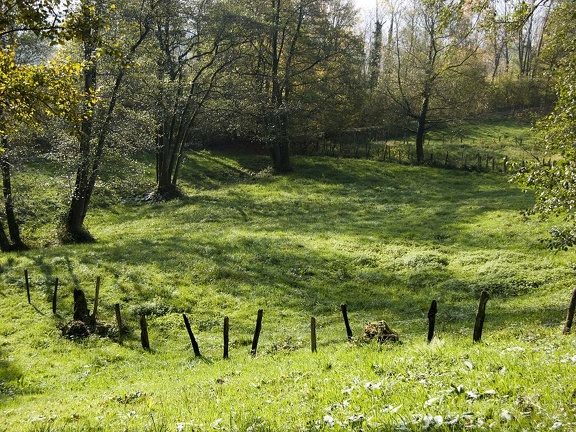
554 182
29 91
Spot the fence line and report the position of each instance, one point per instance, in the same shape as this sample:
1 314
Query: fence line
405 154
144 337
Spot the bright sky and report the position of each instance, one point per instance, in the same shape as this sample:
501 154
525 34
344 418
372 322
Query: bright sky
365 4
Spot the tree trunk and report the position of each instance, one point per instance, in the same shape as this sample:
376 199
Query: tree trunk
421 131
74 230
5 245
15 242
13 228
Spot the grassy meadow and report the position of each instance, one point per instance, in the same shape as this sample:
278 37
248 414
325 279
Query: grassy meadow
385 239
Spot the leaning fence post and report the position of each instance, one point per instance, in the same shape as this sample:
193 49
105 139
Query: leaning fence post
118 322
55 296
480 315
144 332
432 319
313 334
27 285
344 310
570 315
192 338
257 332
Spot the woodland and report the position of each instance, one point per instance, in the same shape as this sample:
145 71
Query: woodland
82 82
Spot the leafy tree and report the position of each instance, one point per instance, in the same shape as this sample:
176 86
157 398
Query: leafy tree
29 86
195 43
555 183
299 76
435 70
101 42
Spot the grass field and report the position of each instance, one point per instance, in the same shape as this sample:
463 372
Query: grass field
385 239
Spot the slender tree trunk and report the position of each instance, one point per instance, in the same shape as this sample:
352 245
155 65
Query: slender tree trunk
421 130
13 228
15 242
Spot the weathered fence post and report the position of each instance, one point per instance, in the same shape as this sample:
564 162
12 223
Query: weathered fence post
344 310
480 315
27 285
226 336
96 296
570 315
144 332
313 334
192 338
257 332
432 319
118 322
54 297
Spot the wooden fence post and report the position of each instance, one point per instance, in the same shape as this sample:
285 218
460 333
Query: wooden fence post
480 315
226 336
27 285
570 315
192 338
257 332
144 333
313 334
344 310
432 320
118 322
54 297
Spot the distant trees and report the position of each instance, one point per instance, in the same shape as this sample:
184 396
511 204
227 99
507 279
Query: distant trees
296 73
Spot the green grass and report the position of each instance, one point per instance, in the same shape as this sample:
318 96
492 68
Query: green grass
383 238
494 140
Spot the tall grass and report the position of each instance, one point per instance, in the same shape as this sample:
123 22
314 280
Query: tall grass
383 238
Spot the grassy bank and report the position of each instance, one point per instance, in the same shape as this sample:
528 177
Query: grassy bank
383 238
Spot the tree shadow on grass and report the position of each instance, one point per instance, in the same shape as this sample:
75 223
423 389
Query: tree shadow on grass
11 377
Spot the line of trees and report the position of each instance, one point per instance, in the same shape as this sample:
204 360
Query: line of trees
162 75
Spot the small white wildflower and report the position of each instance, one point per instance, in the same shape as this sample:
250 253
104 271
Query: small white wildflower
556 426
506 416
329 420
